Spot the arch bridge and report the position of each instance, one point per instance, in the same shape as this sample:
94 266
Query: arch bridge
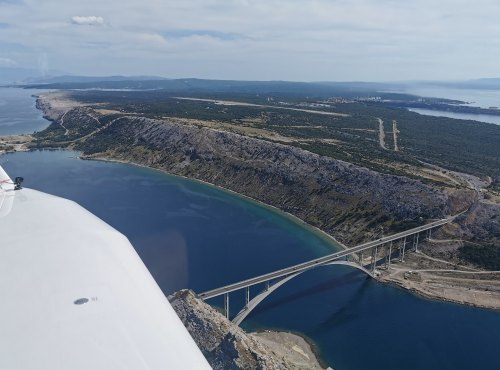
350 257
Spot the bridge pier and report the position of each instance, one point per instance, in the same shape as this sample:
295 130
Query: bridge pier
402 259
416 243
390 254
247 296
374 258
226 305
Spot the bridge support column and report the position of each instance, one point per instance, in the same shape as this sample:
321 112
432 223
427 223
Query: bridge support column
226 305
403 250
416 243
390 254
267 285
247 296
374 258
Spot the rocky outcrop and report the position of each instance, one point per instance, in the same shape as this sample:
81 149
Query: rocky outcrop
342 199
482 222
228 347
347 201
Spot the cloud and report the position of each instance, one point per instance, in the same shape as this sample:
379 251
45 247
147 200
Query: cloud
153 39
257 39
87 21
7 62
214 34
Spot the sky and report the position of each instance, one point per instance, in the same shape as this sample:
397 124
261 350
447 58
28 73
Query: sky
297 40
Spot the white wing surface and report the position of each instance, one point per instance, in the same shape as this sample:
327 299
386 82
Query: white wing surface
74 294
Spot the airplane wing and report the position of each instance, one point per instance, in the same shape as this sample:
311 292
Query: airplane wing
74 294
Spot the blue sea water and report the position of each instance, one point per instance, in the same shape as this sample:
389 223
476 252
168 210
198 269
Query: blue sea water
18 114
474 98
488 118
191 235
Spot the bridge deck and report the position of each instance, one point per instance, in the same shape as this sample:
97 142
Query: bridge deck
321 260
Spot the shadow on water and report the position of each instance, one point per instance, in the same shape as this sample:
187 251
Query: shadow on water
346 279
344 314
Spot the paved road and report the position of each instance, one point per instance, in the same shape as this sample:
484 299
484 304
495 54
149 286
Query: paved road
320 261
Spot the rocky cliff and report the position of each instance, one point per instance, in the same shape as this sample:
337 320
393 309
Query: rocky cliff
228 347
342 199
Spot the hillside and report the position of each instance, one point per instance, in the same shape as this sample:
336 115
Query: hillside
354 191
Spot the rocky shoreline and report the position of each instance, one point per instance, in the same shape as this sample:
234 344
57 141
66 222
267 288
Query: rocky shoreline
227 346
492 302
343 200
322 234
14 143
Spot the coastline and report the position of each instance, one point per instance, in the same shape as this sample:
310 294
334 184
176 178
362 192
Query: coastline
317 231
424 295
325 236
14 143
460 295
262 349
335 245
306 342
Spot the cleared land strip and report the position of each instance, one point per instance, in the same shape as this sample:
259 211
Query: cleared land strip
381 133
229 102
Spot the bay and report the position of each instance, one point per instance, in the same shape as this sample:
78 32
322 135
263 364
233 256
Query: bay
488 118
474 98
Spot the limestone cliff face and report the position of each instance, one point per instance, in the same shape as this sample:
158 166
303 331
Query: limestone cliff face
482 222
340 198
228 347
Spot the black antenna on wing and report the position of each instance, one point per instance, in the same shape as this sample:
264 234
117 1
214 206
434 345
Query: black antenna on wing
17 183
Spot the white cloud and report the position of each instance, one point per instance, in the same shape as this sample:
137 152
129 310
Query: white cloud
87 21
7 62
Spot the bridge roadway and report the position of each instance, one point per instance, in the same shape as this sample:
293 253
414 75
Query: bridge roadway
320 261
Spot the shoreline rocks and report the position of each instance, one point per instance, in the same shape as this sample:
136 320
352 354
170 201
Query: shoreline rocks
227 346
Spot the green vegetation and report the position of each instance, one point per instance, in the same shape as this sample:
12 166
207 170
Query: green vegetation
352 136
465 146
486 256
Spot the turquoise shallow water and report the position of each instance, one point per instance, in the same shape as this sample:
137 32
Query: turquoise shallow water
193 235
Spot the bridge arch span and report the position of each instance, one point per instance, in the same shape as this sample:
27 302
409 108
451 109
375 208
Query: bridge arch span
254 302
